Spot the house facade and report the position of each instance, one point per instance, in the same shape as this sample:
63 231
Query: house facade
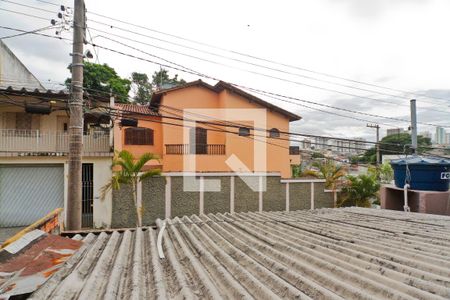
201 128
34 146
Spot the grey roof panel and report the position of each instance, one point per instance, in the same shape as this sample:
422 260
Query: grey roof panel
349 253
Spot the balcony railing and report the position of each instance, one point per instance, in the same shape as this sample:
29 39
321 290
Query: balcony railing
205 149
15 140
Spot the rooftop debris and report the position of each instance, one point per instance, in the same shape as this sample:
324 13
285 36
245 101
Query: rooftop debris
29 261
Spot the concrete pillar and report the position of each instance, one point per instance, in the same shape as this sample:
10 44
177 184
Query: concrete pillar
260 202
168 193
287 196
139 194
202 195
312 195
232 194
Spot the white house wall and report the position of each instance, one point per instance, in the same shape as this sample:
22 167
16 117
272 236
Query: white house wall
102 174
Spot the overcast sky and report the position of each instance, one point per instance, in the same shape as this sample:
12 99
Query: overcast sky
400 44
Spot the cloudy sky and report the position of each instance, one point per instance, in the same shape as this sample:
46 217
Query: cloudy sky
398 45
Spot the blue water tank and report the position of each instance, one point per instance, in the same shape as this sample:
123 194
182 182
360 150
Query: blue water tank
427 173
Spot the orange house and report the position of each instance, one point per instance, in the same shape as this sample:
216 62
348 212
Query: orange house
198 127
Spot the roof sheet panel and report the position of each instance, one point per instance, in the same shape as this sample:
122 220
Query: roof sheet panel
349 253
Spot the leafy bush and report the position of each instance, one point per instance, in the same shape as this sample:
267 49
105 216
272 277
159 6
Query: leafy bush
328 170
359 190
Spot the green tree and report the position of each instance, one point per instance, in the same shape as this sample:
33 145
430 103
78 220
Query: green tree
142 88
317 155
359 190
330 171
402 142
130 172
384 172
102 79
161 79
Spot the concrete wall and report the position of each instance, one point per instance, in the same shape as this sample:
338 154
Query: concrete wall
14 73
165 197
429 202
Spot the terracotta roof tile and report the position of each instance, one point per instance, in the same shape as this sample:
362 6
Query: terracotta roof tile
135 108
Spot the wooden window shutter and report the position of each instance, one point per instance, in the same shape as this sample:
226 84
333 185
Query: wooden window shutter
139 136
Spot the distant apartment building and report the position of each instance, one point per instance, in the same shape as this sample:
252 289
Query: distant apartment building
440 136
344 146
305 144
394 131
447 138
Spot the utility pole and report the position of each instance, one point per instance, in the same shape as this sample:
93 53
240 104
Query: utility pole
378 140
76 120
413 126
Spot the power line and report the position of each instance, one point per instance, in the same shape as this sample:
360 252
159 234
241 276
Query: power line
237 125
254 72
28 6
259 90
250 56
252 89
121 113
24 14
50 3
290 133
25 33
265 59
35 33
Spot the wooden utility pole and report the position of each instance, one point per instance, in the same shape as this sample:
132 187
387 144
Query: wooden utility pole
76 120
378 141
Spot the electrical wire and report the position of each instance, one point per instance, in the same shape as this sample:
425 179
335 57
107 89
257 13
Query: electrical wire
27 32
264 59
244 87
28 6
120 113
186 70
35 33
258 73
234 124
24 14
245 55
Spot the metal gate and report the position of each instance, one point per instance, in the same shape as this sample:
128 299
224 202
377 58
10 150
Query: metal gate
29 192
87 195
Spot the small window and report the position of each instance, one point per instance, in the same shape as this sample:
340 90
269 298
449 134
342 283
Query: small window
274 133
138 136
244 131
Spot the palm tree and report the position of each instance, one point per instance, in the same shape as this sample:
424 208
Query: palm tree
130 172
359 190
329 171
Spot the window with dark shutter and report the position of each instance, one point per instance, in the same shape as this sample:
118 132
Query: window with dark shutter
274 133
244 131
138 136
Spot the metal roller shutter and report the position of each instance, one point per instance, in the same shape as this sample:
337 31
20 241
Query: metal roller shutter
29 192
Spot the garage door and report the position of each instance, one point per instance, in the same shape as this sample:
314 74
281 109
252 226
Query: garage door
29 192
